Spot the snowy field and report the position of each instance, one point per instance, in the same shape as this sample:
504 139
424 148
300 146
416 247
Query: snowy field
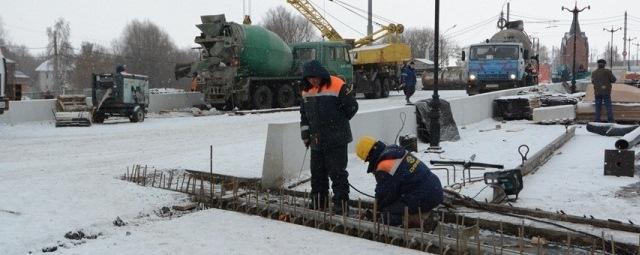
55 180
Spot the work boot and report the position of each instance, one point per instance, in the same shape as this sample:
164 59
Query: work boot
338 208
409 101
318 202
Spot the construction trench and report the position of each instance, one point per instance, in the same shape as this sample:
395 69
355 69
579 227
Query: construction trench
464 226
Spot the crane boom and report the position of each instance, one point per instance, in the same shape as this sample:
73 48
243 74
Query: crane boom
312 14
393 29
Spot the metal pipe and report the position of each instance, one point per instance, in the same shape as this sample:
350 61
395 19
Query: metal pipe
628 140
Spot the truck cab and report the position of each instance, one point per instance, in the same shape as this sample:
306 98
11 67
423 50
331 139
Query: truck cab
4 103
496 66
333 55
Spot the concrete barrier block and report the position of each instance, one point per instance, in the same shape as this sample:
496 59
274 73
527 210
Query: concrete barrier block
554 113
28 111
285 152
167 102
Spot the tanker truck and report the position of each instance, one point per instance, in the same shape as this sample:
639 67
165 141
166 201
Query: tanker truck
250 67
501 62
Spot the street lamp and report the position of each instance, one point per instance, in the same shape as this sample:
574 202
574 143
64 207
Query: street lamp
575 12
611 45
434 114
629 58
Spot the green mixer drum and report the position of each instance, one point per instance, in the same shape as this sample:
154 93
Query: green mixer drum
265 54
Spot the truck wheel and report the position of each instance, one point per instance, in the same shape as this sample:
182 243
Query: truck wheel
262 97
98 118
286 96
375 90
386 85
137 115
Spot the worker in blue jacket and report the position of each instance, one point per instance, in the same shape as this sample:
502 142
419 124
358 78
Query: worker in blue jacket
408 79
402 180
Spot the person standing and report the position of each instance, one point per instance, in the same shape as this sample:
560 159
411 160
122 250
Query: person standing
402 180
408 78
326 108
602 78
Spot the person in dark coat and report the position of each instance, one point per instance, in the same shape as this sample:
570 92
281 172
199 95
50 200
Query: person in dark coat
402 180
408 78
602 78
327 106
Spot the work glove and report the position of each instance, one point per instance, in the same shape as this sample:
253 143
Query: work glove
306 143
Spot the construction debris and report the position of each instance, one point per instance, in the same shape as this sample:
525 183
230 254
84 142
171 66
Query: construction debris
625 100
72 110
610 129
515 107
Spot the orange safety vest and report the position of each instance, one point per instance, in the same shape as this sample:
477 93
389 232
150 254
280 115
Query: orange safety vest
332 90
390 165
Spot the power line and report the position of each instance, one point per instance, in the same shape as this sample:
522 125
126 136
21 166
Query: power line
472 27
340 21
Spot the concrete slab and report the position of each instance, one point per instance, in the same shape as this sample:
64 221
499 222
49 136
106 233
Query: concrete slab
554 113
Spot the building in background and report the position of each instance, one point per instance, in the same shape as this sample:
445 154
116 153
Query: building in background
17 82
582 48
46 79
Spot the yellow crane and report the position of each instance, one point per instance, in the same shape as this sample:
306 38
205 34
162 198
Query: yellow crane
376 68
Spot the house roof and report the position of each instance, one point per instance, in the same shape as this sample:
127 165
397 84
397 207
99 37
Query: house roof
423 60
20 75
47 66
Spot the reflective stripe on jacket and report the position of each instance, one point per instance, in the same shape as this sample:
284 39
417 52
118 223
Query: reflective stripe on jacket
325 112
402 176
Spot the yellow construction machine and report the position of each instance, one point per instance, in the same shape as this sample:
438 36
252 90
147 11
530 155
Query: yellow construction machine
376 68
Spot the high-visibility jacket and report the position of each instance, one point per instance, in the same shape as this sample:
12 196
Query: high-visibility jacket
325 112
402 176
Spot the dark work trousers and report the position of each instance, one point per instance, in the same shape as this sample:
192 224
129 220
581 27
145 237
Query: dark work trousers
607 104
408 91
325 164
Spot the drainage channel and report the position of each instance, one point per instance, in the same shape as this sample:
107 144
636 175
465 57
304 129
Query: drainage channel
454 233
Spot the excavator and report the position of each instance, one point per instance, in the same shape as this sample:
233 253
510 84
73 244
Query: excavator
376 68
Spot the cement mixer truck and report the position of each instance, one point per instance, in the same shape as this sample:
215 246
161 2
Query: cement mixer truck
501 62
250 67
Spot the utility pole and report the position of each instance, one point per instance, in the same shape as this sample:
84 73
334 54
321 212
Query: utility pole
611 45
508 10
370 18
624 39
434 114
637 46
628 59
575 12
56 78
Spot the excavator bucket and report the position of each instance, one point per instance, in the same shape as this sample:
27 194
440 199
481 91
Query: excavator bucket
72 110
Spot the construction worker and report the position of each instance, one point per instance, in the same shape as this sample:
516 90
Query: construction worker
402 180
408 78
121 69
326 108
602 78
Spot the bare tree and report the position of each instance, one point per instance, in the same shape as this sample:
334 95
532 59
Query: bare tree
421 41
617 58
60 52
92 58
147 49
290 27
3 33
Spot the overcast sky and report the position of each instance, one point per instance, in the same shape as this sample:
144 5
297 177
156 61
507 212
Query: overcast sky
102 21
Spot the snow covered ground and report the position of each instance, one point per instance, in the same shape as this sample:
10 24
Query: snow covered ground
55 180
